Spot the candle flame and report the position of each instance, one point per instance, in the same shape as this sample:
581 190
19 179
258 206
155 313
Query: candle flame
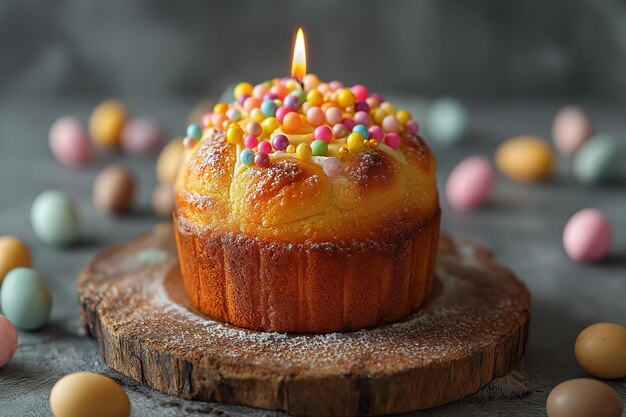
298 64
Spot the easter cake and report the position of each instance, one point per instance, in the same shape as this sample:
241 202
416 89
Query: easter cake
306 207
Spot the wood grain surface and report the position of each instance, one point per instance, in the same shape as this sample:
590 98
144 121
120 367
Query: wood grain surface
471 330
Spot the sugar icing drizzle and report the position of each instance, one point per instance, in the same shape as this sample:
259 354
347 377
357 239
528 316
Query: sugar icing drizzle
313 121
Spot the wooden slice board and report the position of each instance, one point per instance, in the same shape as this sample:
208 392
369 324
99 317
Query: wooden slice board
471 330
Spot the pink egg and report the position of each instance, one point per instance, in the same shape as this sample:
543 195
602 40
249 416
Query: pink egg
8 341
70 143
570 129
587 236
141 137
470 183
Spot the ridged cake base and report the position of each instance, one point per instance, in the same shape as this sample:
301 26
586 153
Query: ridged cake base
470 330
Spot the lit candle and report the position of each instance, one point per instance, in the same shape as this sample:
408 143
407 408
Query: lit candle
298 63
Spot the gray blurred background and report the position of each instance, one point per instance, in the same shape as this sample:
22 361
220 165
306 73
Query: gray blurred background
159 48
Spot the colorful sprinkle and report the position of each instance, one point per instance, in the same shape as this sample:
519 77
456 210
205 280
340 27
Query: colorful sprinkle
291 122
268 107
264 147
194 131
303 151
323 133
332 167
261 160
362 129
280 142
355 142
392 140
254 128
319 148
340 131
250 142
246 156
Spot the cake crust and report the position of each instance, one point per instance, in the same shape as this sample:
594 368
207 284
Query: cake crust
287 248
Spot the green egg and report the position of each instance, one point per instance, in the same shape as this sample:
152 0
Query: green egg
597 161
447 121
54 218
228 95
25 299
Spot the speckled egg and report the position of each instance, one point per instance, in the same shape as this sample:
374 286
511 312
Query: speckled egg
70 143
570 129
587 236
163 200
106 123
470 183
447 121
596 161
169 161
583 397
54 218
25 299
525 158
113 190
88 394
8 341
601 350
13 254
141 137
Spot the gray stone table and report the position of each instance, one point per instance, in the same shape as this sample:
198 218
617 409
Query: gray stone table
523 224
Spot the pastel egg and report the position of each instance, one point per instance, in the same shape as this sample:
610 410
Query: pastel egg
470 183
570 129
54 218
583 397
141 137
601 350
8 341
163 200
26 299
113 190
447 121
587 236
169 161
13 254
106 123
69 142
88 394
525 158
597 161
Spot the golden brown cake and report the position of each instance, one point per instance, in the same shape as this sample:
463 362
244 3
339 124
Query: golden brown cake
287 244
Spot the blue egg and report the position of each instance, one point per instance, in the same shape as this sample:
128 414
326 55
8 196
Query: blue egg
447 121
26 299
246 156
228 95
54 218
194 131
268 107
362 129
596 161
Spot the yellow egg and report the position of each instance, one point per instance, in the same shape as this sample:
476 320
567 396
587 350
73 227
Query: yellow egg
106 123
169 161
13 254
84 394
525 158
601 350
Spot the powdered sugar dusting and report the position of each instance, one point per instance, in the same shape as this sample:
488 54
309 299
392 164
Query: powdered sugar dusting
448 325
